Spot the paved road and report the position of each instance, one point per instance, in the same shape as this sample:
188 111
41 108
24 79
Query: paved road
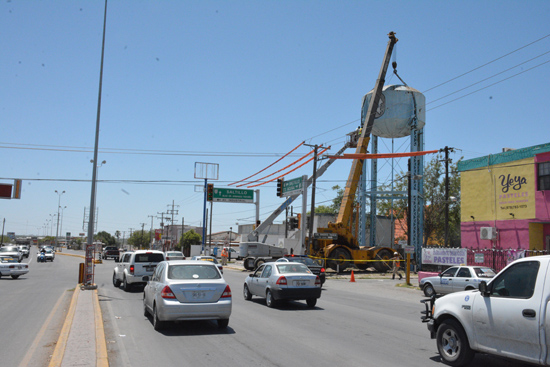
32 310
369 322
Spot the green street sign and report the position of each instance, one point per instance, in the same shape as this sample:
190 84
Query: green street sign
233 195
291 187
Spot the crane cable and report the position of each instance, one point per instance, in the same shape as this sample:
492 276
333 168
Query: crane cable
278 160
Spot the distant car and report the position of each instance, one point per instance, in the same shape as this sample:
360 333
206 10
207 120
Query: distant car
50 254
12 251
135 266
277 281
174 255
314 265
24 250
187 290
455 279
9 266
110 252
211 259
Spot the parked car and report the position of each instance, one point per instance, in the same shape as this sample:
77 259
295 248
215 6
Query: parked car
9 266
133 267
187 290
314 265
211 259
277 281
174 255
12 251
455 279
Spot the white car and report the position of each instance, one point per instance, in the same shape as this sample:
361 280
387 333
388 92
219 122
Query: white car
174 255
12 251
456 279
9 266
187 290
135 266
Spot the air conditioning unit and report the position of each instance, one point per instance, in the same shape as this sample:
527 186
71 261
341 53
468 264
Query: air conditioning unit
488 233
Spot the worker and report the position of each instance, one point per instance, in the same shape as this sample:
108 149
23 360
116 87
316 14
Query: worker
396 265
224 256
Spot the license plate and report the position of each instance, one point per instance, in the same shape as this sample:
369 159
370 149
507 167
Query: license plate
300 282
198 294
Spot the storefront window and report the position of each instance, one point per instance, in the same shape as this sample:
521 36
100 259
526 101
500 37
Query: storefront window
544 176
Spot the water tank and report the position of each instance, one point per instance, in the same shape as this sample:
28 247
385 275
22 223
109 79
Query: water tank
395 111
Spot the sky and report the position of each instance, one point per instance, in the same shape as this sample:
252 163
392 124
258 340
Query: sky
238 84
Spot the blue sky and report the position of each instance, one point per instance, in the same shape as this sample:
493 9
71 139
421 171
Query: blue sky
240 83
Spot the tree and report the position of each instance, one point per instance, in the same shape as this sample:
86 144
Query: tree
188 239
117 235
105 237
139 239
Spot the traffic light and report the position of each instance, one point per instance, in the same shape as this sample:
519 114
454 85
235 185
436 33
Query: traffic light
279 187
292 223
210 192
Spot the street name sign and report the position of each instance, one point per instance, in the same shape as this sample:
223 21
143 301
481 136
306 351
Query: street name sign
233 195
292 187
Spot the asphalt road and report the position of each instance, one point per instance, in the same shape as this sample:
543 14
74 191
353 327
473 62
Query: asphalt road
33 308
367 323
370 322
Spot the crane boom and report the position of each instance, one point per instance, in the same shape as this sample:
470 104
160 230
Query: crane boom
346 207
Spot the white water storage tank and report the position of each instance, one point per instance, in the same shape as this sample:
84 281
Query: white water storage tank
396 111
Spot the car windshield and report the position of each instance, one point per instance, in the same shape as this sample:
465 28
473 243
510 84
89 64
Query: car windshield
485 272
286 268
6 259
193 272
149 258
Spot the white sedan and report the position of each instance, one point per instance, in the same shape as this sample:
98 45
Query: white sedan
187 290
9 266
456 279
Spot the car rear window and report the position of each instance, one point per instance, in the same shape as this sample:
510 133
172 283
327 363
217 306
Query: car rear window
193 272
293 268
485 272
149 258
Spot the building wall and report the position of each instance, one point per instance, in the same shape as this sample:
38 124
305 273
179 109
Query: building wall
503 193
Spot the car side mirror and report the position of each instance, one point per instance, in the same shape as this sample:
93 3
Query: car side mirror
483 288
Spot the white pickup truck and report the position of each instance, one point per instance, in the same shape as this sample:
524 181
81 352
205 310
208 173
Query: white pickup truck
508 317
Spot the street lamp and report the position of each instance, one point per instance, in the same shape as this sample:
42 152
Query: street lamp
58 206
62 211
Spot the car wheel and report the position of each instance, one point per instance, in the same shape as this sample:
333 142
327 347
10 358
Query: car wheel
116 282
429 290
15 276
222 323
157 324
269 301
311 302
246 293
125 285
452 344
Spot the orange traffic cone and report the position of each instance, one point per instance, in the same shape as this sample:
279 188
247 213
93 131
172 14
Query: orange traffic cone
352 279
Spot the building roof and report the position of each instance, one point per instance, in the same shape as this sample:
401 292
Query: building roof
504 157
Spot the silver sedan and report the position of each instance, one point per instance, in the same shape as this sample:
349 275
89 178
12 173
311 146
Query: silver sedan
277 281
10 266
187 290
456 279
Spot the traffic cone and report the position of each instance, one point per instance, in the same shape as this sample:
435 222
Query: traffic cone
352 279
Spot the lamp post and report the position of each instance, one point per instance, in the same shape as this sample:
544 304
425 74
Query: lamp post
62 211
58 206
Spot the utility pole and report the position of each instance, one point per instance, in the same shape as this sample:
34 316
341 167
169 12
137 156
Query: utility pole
447 160
313 187
131 231
172 212
141 239
151 232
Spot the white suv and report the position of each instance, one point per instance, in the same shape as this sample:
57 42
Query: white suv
134 266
